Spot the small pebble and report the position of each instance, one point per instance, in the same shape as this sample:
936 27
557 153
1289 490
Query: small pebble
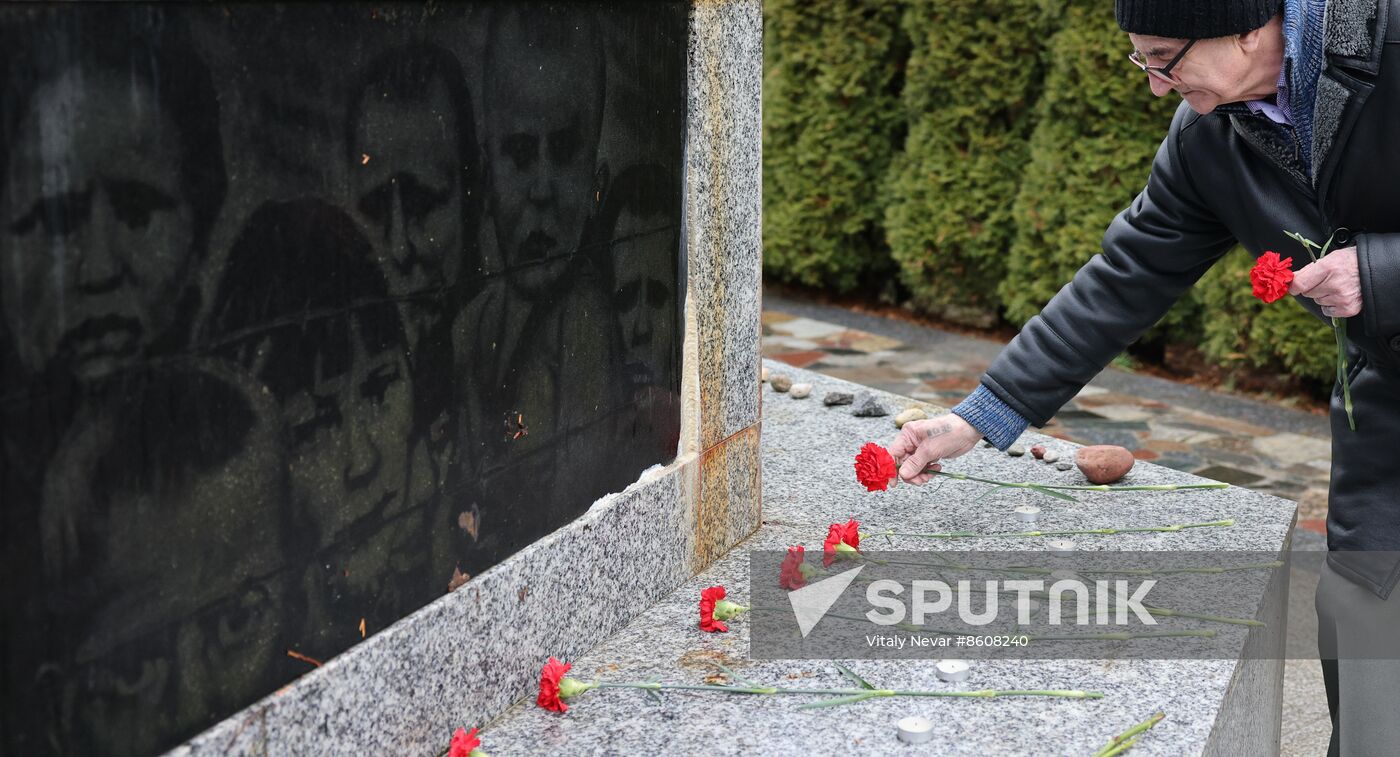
1060 547
800 391
763 374
1016 450
952 670
1027 513
988 444
838 398
912 414
915 730
1038 451
1050 456
866 406
780 383
1063 466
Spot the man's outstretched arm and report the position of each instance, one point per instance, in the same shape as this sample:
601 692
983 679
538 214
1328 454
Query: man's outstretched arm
1153 252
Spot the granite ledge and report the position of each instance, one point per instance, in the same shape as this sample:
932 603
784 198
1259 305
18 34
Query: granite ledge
806 450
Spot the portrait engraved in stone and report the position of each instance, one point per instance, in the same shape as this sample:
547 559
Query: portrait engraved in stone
414 176
541 346
111 177
640 222
303 308
163 545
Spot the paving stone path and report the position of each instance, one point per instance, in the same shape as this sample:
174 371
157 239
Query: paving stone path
1237 440
1278 450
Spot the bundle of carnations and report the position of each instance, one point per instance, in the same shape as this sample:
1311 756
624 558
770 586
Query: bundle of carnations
556 689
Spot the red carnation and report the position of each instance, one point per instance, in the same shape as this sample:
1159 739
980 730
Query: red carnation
708 598
463 742
875 467
1271 276
550 677
840 539
791 576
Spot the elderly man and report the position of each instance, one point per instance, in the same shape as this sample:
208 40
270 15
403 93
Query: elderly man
1289 122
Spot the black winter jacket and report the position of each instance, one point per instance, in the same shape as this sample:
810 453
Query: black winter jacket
1234 177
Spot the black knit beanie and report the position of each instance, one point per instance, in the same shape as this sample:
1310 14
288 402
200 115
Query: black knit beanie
1194 19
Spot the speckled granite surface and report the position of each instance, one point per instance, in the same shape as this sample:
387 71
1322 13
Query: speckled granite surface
723 209
807 484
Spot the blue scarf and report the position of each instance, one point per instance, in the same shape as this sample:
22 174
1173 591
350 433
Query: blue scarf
1303 28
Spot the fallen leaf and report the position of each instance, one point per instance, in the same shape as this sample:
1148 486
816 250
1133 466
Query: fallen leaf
362 628
458 578
295 655
470 521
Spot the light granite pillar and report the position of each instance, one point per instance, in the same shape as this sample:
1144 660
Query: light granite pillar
465 658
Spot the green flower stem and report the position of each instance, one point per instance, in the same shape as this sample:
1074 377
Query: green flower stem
1119 636
1339 328
1081 487
1075 532
1125 740
1092 571
1169 613
864 693
1115 636
1339 325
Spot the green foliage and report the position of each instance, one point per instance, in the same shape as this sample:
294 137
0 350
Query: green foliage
968 93
1022 145
831 123
1242 331
1098 128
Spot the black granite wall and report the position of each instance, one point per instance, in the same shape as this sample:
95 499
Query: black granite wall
311 311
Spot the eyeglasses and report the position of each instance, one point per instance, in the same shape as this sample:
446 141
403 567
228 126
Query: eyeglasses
1162 72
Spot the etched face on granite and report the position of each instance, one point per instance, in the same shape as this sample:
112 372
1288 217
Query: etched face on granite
179 622
644 264
407 166
305 309
544 100
97 226
349 433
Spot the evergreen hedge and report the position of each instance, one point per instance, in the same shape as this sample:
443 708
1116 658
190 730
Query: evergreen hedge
1098 128
968 96
831 123
1010 173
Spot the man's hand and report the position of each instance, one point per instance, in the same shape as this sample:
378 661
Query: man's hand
921 443
1332 283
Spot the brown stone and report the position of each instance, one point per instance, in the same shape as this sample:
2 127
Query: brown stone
1038 451
1104 463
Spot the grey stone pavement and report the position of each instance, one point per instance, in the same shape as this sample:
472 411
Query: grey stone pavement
1242 441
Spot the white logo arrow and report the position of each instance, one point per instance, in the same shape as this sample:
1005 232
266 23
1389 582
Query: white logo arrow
811 602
